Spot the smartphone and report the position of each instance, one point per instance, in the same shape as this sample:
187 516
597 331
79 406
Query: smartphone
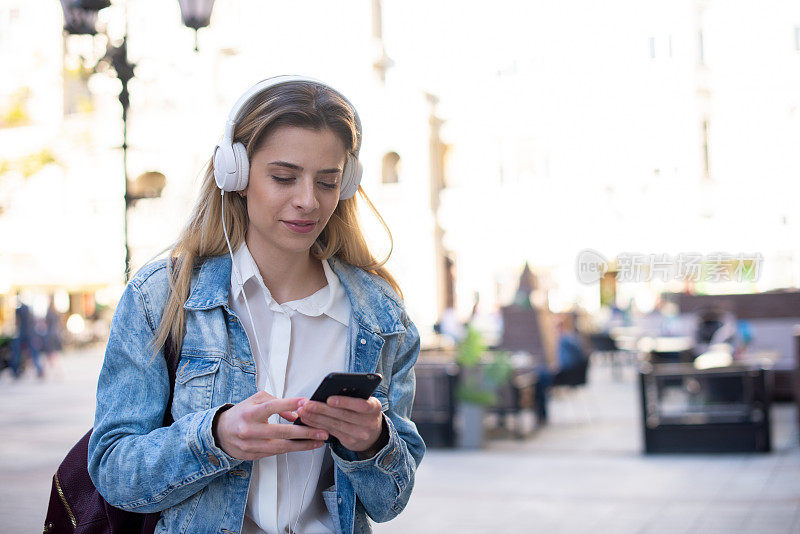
360 385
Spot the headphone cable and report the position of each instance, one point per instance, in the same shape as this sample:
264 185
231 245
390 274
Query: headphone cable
269 376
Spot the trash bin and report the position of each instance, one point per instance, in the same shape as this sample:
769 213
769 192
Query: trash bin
433 410
690 410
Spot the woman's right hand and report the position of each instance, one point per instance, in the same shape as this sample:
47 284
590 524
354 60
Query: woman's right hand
242 431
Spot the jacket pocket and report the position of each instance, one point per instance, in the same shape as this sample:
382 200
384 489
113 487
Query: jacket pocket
332 503
195 367
194 384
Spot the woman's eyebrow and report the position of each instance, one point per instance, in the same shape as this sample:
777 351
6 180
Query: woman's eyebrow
299 168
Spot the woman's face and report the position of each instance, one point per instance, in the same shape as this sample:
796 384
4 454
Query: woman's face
294 183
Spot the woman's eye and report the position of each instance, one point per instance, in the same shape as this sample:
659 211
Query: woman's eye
282 179
328 185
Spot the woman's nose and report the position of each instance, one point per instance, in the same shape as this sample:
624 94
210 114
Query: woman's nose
305 196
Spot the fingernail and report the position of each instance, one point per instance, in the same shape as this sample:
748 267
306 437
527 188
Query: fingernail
301 402
320 435
334 402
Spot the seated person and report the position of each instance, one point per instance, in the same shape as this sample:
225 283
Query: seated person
715 327
571 358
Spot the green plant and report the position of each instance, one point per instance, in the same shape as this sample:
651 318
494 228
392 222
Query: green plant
471 392
471 348
479 383
499 369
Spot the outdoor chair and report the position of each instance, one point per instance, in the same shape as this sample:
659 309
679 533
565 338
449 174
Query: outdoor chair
516 399
570 385
605 347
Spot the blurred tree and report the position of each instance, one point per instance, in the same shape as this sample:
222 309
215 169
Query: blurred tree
15 113
77 97
25 167
28 165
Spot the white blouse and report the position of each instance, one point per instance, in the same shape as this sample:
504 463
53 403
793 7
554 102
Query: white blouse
300 342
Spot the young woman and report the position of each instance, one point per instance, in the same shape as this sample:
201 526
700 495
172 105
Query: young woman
270 287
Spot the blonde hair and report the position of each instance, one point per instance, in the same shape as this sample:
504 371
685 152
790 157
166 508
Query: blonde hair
301 104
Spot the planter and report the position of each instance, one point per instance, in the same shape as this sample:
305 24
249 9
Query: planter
470 425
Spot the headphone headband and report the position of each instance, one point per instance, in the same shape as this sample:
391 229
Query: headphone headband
263 85
231 167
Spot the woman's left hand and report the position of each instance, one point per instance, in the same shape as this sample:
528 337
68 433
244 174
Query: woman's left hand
356 423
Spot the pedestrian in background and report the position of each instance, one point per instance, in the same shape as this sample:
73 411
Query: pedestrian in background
25 341
52 339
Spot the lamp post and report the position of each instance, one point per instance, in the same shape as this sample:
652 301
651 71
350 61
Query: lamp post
80 17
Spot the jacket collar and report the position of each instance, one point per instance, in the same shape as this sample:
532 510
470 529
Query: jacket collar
371 306
210 286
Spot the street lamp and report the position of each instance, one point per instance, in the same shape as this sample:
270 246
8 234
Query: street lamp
80 17
78 21
196 14
91 5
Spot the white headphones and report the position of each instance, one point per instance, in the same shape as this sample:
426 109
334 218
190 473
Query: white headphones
231 167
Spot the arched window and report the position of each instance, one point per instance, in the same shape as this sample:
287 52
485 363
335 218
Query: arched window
390 170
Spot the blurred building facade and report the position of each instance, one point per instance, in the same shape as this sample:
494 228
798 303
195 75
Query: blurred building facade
63 222
621 127
525 132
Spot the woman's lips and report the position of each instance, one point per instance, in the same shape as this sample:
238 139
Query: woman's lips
300 227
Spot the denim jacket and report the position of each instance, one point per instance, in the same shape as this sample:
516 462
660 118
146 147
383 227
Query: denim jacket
138 465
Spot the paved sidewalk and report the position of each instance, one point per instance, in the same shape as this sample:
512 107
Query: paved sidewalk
582 473
39 421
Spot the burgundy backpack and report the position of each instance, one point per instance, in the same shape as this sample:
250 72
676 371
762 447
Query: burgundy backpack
75 504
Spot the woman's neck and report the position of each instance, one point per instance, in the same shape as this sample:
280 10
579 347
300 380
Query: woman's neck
288 276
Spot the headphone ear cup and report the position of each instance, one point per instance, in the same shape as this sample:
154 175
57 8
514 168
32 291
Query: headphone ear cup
351 177
242 167
223 155
231 167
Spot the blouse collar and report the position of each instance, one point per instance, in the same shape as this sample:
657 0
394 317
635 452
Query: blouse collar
330 300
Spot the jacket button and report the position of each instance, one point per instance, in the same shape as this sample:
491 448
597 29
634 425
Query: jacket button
339 500
48 527
363 341
213 459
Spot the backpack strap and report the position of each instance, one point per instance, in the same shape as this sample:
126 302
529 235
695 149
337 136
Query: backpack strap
172 364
